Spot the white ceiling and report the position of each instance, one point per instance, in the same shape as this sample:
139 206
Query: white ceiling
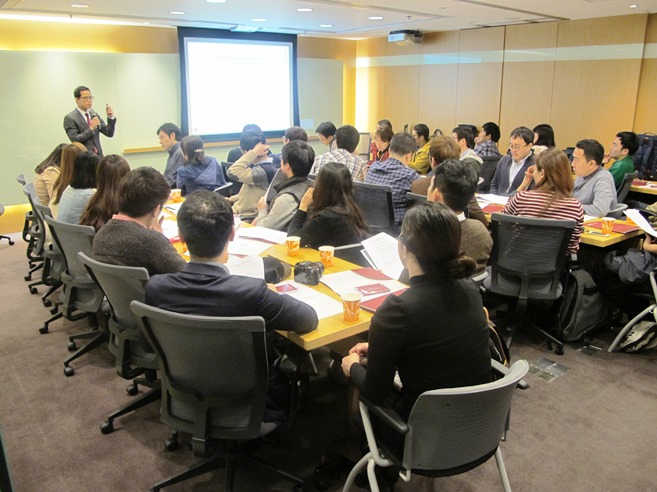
349 19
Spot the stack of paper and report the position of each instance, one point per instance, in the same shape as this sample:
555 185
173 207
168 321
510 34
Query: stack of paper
381 252
323 305
370 283
263 234
247 266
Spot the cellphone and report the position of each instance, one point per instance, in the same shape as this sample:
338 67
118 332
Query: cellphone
282 289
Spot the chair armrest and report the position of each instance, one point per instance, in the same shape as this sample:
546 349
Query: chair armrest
387 415
503 370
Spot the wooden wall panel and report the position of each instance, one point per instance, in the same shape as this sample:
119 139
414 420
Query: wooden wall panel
527 81
370 85
479 83
438 82
645 119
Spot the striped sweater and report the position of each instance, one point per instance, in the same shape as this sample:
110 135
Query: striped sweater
533 203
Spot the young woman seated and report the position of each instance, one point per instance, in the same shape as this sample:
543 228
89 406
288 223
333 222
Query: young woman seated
79 192
200 171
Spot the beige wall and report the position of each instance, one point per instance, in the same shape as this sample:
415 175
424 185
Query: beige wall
587 78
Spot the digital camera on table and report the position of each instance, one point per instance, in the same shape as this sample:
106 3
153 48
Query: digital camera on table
308 272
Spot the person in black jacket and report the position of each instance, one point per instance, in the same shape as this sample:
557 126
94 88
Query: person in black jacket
328 214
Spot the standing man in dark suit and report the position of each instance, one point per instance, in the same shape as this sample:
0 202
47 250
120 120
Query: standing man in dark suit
511 169
84 125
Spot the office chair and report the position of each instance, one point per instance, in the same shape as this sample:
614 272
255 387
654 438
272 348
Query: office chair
224 190
650 310
625 186
11 241
134 356
53 261
352 253
28 215
237 185
80 293
36 235
617 212
527 262
449 431
214 385
486 172
375 201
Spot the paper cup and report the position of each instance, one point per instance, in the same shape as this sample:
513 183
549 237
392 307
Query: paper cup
607 225
351 305
175 195
292 243
326 255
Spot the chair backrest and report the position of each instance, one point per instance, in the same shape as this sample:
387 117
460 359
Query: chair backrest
237 185
121 285
486 172
617 212
375 201
364 145
625 186
224 189
528 255
214 371
38 233
72 239
453 427
21 179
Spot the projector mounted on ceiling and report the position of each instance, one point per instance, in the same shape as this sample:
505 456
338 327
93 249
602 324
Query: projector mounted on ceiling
405 37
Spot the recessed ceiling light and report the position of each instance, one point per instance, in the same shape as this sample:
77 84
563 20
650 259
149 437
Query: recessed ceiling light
632 6
216 1
79 5
259 19
176 12
304 10
326 25
375 17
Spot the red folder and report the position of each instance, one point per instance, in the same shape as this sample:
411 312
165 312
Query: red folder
373 304
493 208
619 227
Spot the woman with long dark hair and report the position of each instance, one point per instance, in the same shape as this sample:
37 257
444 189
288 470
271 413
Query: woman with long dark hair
69 153
79 192
105 202
551 197
328 214
199 171
543 138
435 334
47 173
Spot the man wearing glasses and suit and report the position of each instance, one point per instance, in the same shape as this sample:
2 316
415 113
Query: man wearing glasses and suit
511 169
84 125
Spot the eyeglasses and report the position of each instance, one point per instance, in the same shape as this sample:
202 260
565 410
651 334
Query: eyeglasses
87 98
517 147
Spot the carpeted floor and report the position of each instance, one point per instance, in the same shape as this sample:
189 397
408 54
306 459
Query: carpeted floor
594 428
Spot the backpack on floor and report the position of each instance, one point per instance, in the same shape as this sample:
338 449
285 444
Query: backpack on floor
582 307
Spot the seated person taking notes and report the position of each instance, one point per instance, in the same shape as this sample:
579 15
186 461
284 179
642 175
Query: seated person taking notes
133 237
594 185
435 334
276 209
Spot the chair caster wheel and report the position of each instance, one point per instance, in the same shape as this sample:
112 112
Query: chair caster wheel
559 350
27 278
33 290
11 243
53 310
171 445
132 389
107 427
46 302
43 330
300 488
321 483
68 371
72 347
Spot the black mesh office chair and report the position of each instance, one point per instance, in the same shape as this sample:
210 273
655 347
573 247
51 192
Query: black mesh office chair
413 198
53 261
375 201
134 356
486 172
237 185
2 212
36 237
80 293
214 385
449 431
625 186
527 262
224 190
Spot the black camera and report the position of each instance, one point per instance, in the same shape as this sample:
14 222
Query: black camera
308 272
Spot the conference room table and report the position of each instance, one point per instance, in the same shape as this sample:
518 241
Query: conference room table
644 187
331 329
